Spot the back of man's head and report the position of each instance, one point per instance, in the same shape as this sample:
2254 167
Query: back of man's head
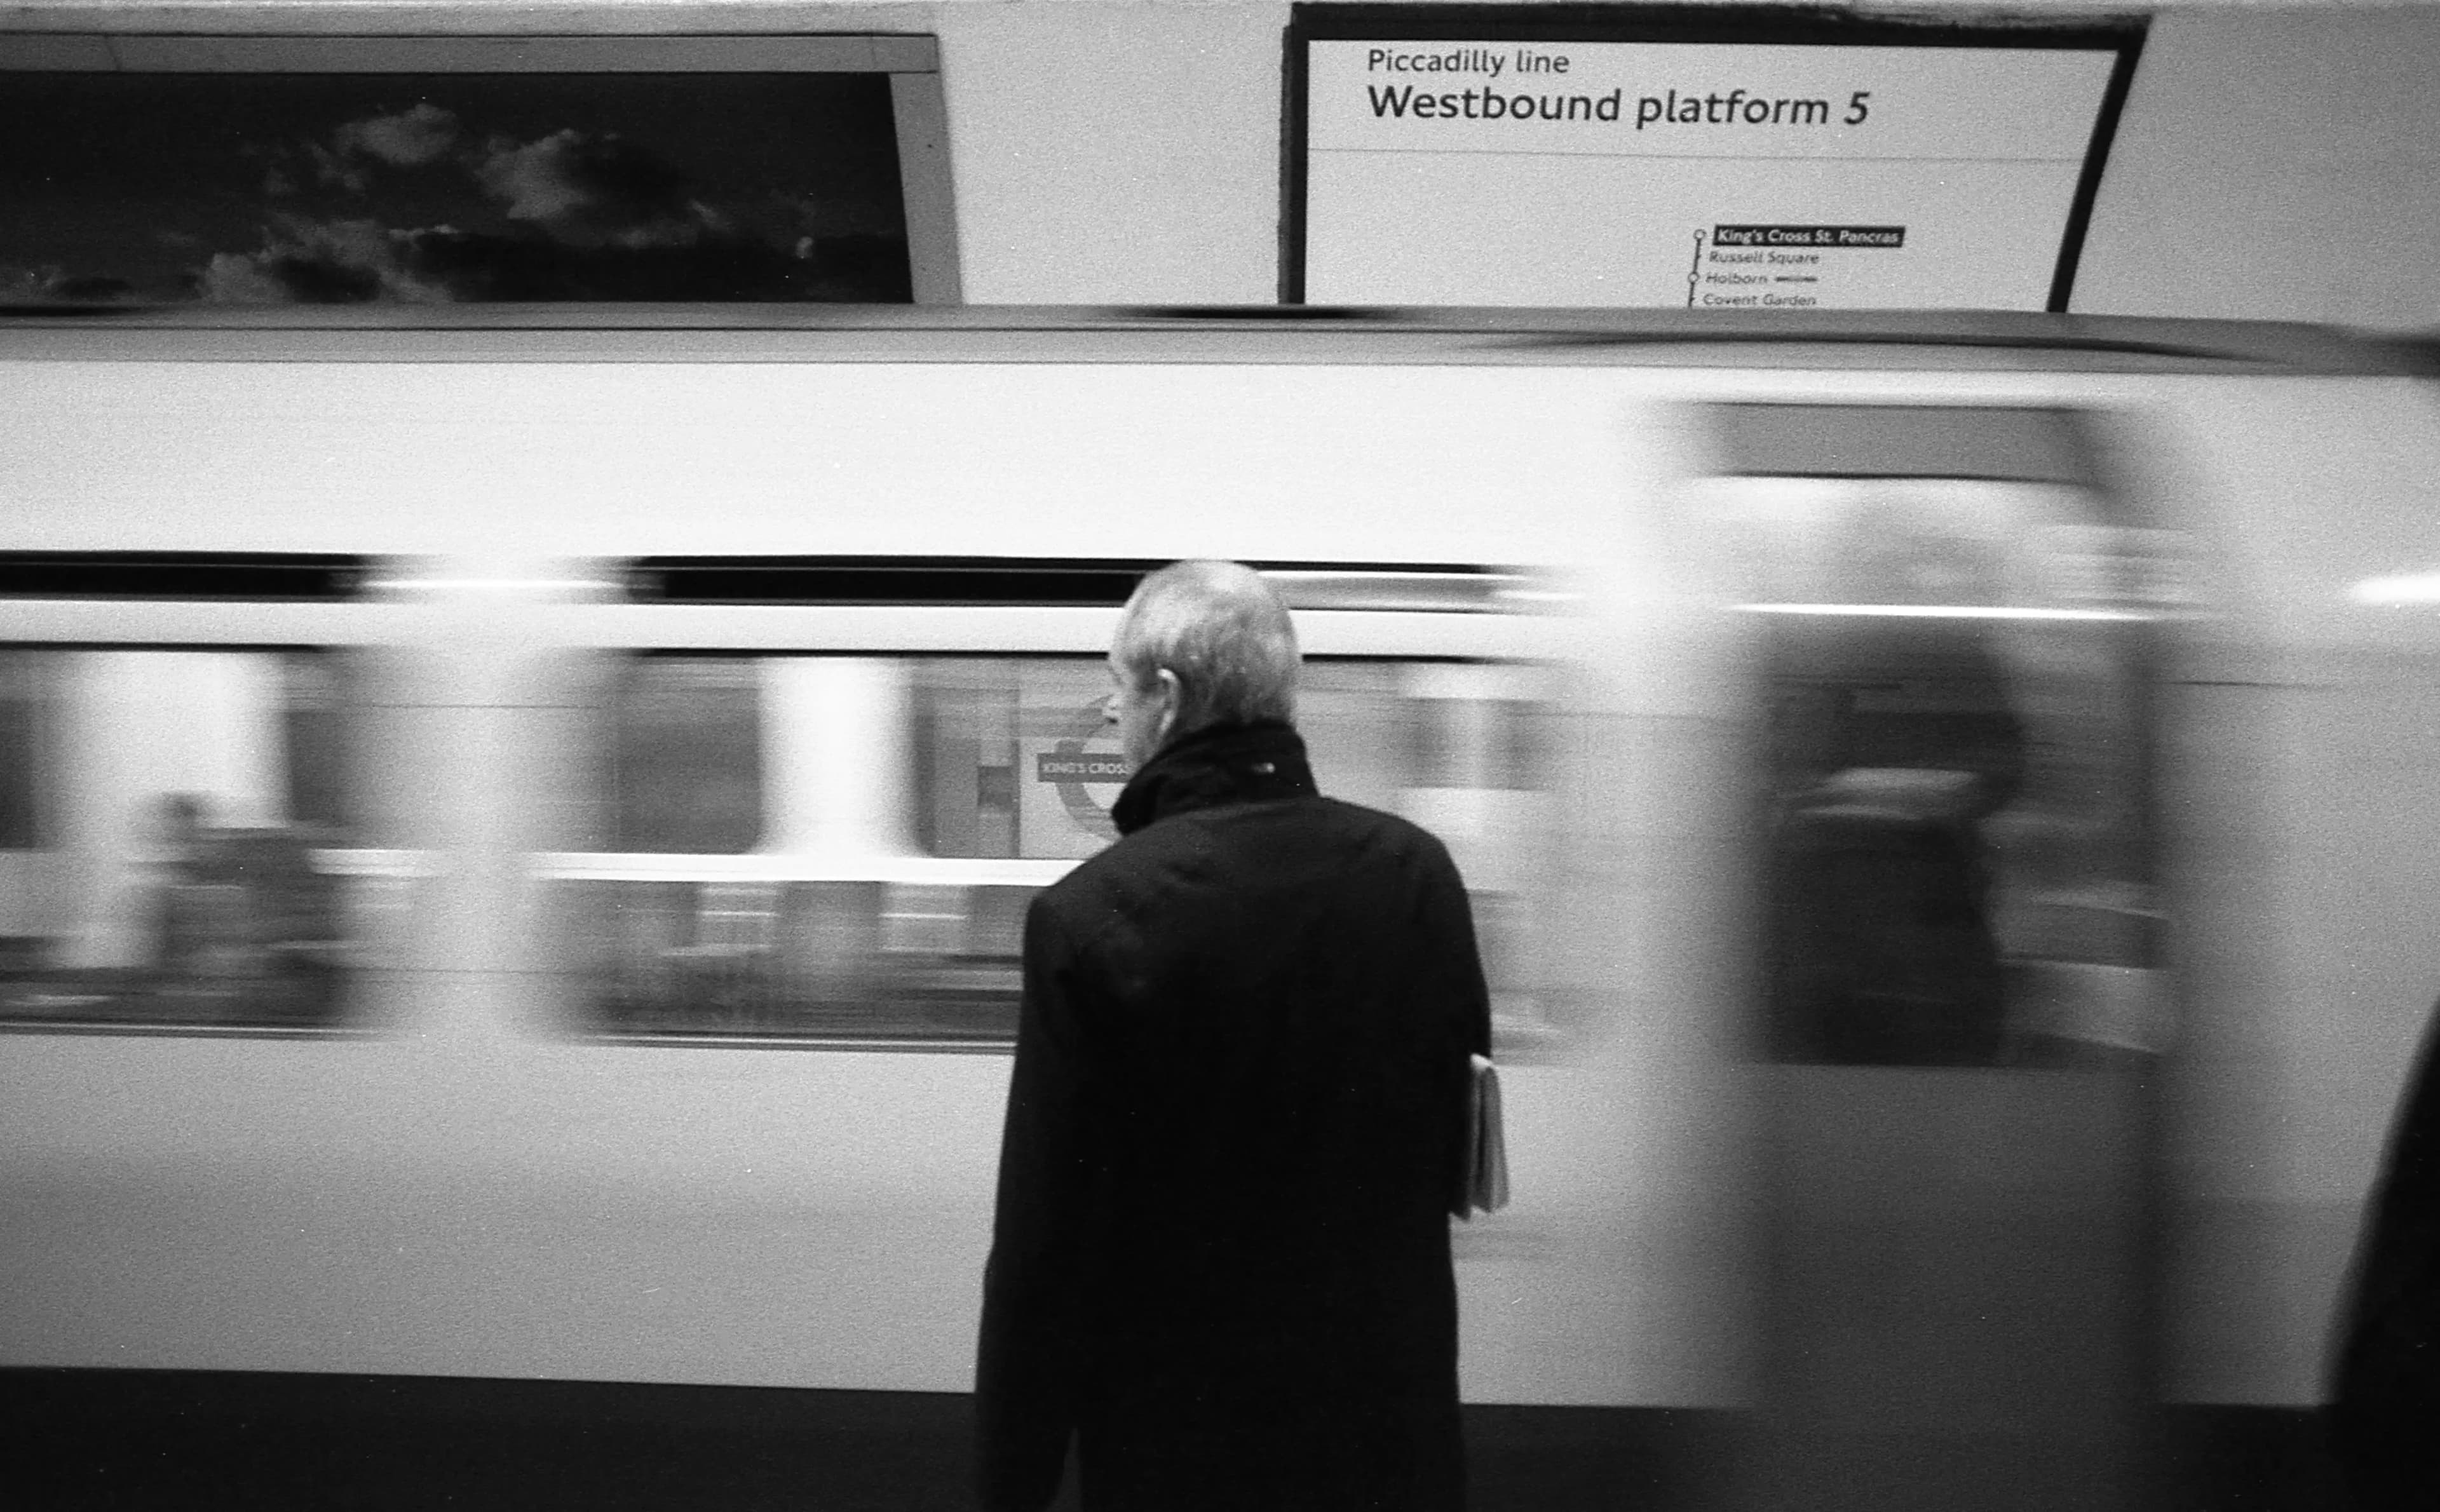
1226 634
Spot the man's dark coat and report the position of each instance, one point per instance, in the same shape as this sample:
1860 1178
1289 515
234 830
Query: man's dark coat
1221 1256
2385 1409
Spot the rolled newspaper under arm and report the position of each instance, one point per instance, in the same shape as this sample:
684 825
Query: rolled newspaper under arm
1485 1184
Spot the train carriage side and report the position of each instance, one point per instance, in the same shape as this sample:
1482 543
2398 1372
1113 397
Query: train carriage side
669 918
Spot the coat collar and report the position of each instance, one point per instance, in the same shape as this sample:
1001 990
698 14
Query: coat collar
1225 764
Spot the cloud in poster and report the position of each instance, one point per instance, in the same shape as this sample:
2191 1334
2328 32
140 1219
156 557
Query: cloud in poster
411 138
334 169
592 190
579 189
306 262
416 138
50 284
592 213
348 261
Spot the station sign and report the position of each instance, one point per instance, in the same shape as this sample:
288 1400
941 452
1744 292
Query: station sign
1454 156
1070 771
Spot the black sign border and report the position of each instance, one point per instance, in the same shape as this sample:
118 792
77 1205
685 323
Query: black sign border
1759 26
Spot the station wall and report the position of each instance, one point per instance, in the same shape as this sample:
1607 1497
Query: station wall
2275 165
2272 162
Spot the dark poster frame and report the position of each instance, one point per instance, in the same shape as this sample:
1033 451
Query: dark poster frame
1767 25
909 63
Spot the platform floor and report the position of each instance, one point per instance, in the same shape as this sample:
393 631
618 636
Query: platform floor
89 1440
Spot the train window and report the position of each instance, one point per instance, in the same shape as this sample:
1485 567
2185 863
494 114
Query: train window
1955 804
686 756
843 847
180 839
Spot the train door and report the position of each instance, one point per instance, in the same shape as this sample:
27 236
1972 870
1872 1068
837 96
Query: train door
1956 944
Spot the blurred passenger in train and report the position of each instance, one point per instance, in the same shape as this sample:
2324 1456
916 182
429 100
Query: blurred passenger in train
240 907
1221 1255
292 929
2385 1400
1892 741
1884 954
191 909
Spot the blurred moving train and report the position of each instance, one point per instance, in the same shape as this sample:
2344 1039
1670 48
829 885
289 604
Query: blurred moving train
515 833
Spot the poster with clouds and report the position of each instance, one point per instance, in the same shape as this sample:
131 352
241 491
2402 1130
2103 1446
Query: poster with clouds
269 189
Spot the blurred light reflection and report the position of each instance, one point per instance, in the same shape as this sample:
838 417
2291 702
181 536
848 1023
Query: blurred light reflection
1944 612
2415 588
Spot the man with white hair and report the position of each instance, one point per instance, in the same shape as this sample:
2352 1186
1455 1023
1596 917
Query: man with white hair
1238 1117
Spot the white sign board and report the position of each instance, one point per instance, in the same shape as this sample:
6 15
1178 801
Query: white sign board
1707 175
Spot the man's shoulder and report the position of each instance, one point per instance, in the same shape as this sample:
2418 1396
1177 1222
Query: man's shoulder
1151 851
1380 827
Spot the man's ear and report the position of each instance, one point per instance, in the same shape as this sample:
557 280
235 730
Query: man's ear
1172 698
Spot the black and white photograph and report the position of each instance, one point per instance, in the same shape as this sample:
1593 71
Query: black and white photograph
1219 756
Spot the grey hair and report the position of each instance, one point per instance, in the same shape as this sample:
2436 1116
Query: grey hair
1224 632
